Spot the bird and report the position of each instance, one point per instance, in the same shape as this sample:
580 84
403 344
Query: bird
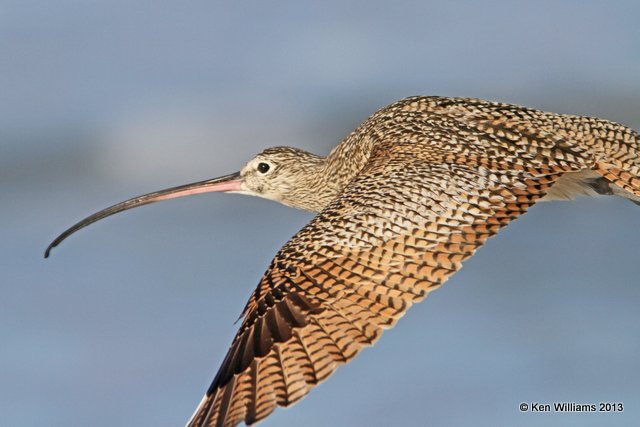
400 203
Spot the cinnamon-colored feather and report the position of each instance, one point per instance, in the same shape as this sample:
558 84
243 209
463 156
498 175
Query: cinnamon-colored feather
442 176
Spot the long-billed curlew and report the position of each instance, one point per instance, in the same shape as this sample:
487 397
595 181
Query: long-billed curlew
401 202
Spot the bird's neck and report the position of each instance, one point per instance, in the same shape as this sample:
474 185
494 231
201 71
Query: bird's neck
348 158
344 162
326 177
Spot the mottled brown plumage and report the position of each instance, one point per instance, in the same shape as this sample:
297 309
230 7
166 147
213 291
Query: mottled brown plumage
421 185
401 202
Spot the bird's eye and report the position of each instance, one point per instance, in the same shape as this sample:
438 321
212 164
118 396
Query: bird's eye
263 167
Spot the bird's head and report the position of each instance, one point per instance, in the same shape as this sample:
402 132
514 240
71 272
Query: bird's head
287 175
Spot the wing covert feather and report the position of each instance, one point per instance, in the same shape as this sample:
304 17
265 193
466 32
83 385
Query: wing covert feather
397 232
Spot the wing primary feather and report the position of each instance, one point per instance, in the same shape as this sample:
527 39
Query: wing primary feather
305 349
225 403
292 313
253 400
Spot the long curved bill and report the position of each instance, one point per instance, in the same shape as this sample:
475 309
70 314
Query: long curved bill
232 182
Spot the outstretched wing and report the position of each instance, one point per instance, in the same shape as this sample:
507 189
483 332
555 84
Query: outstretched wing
397 232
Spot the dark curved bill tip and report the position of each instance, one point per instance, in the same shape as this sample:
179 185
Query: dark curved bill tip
225 183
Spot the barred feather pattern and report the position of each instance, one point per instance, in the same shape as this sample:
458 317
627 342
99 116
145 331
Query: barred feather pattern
425 182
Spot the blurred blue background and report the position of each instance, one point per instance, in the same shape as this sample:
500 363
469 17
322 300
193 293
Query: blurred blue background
128 321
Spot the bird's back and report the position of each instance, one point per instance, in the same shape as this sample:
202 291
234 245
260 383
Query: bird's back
490 134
